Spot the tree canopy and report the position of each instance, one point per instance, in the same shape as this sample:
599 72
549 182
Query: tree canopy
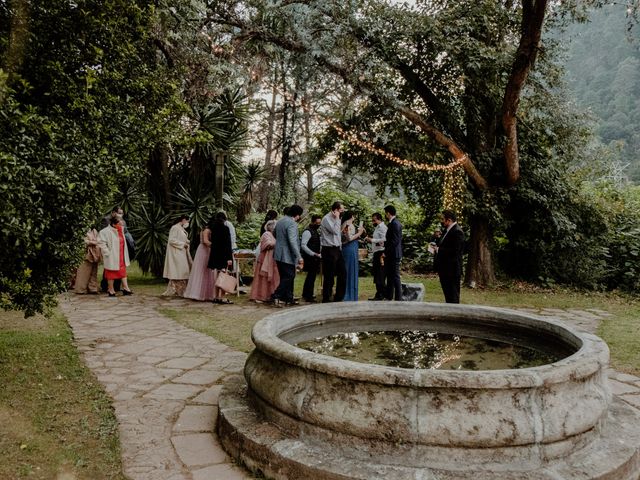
441 81
79 99
103 96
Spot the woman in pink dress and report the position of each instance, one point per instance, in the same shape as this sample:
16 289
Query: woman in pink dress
200 286
265 272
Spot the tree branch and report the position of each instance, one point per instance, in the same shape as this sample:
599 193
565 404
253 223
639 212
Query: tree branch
165 51
348 76
533 14
415 82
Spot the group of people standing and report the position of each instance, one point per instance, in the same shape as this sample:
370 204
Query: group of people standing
338 241
330 243
197 278
111 246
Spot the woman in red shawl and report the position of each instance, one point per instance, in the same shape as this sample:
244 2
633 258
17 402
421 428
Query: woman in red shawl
115 255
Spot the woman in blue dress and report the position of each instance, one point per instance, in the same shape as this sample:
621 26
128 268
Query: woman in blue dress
350 254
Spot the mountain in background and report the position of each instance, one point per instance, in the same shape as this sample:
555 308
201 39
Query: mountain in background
603 72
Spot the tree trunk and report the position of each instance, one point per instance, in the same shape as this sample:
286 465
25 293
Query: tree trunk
533 15
307 146
288 132
479 271
18 38
158 181
310 189
268 180
286 149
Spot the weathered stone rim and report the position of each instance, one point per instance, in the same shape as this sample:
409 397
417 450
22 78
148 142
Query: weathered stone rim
592 353
276 453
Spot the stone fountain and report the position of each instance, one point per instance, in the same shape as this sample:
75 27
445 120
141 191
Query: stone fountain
302 415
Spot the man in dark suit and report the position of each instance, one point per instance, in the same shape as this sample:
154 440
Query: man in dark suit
448 258
392 254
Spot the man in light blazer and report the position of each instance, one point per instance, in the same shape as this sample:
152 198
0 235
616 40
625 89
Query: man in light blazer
448 259
287 255
392 255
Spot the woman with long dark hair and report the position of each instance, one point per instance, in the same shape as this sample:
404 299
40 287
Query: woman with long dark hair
221 256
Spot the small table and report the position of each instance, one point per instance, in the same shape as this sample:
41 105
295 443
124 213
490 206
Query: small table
238 257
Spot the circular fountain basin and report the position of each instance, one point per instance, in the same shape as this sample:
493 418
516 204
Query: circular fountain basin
524 420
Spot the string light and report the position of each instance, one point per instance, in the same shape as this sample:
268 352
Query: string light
453 190
353 139
454 180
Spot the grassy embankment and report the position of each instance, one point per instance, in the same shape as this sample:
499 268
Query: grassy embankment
56 421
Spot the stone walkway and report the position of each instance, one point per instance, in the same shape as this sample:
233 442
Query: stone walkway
165 379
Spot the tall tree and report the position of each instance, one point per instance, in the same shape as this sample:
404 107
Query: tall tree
455 70
79 100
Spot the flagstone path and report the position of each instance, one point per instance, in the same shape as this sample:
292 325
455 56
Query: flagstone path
165 379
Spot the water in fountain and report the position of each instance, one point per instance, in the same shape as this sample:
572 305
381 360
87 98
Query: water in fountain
431 350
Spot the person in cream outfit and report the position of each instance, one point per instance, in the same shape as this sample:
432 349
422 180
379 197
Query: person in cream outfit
177 262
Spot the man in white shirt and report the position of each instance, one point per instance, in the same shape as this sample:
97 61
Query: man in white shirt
331 252
310 249
377 247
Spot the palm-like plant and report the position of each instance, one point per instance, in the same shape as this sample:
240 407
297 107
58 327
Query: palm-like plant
150 225
253 174
129 195
198 203
221 127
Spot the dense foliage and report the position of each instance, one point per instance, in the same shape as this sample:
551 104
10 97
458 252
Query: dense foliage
136 103
78 102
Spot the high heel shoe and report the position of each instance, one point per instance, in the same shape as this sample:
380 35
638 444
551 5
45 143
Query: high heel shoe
112 295
126 292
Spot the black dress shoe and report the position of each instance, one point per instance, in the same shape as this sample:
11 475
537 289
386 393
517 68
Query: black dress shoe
112 295
126 292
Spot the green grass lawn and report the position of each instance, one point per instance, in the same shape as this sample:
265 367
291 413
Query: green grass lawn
56 421
232 325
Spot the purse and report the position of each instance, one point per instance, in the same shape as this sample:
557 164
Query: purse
226 282
94 254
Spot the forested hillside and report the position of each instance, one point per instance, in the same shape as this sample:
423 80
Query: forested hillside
603 70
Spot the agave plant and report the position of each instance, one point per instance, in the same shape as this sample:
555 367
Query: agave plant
150 225
129 195
198 202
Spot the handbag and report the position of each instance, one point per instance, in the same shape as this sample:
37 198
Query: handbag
226 282
94 254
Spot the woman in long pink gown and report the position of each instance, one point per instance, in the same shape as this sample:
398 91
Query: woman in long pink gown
265 272
200 285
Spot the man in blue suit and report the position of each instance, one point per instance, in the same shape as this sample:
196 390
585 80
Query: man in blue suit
287 255
392 255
